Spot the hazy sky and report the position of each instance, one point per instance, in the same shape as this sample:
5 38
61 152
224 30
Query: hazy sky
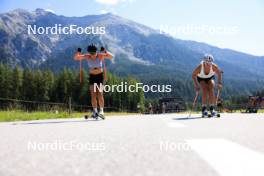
237 24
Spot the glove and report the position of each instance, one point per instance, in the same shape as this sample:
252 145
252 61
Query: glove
103 49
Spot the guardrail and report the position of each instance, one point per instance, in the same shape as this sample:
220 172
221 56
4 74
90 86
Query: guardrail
7 103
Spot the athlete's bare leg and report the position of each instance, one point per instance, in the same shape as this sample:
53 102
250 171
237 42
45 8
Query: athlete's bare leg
100 99
211 85
93 96
204 88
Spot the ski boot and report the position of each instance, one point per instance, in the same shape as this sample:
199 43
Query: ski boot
213 113
95 115
204 112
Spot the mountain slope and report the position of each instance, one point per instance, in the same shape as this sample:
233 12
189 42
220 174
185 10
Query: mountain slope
245 61
139 50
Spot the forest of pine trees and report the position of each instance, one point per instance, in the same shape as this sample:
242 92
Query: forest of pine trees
46 86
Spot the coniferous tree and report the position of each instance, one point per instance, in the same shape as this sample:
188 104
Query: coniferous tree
16 83
5 81
28 87
48 78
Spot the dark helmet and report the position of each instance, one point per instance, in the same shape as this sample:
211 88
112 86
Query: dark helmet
92 49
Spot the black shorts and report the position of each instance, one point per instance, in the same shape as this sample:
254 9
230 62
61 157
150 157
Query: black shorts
205 79
98 78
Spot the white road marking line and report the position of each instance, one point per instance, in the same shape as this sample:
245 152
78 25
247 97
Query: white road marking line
175 125
229 158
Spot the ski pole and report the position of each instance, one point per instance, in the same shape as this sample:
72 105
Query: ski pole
104 64
219 91
218 95
194 102
81 72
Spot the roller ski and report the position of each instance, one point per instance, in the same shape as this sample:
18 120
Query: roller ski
209 115
205 114
101 113
94 116
213 113
101 116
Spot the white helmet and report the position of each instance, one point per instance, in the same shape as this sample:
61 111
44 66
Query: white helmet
208 58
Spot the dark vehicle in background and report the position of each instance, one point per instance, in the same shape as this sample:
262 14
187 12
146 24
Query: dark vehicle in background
169 105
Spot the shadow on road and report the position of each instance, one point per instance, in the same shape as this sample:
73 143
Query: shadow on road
54 122
187 118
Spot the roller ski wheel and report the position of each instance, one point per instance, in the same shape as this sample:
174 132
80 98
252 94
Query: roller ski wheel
204 114
214 114
86 117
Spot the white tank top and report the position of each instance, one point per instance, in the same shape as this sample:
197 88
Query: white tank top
203 75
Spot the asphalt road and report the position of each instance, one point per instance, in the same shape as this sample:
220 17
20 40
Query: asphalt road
161 145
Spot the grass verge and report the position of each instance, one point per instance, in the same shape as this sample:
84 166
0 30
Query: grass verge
18 115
